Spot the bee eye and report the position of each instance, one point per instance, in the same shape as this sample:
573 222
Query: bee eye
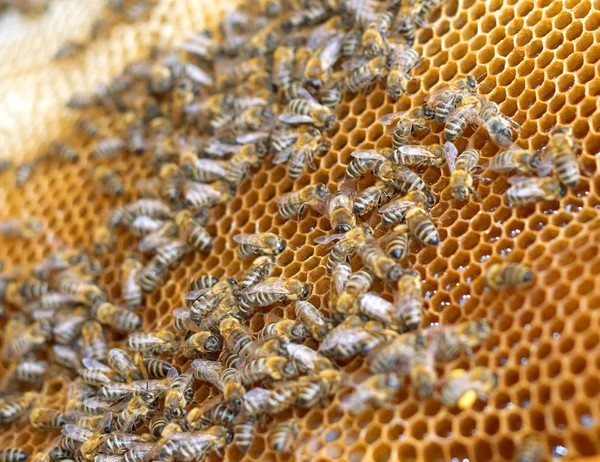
506 132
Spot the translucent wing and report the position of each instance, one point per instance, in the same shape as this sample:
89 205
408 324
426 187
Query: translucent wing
194 295
198 75
303 354
368 154
77 433
354 63
416 151
275 286
208 371
451 155
545 164
90 363
327 238
201 190
284 155
391 118
527 186
399 205
331 51
211 166
251 137
145 340
248 239
152 242
290 118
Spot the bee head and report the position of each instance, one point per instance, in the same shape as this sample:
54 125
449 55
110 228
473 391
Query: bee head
305 292
342 228
212 344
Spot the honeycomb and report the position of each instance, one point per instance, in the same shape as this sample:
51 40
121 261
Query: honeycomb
541 60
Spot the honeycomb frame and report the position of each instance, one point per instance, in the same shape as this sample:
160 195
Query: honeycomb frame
541 58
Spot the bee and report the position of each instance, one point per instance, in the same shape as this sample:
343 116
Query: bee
308 110
463 388
64 151
200 418
85 127
433 154
13 455
204 301
26 340
523 160
446 99
199 196
377 262
397 243
239 339
283 435
346 247
365 75
108 148
274 368
23 172
347 340
260 401
331 93
422 368
171 178
157 425
371 197
531 449
134 127
203 170
529 190
461 168
253 119
170 254
449 341
26 228
189 446
239 165
95 373
103 240
117 317
223 378
29 371
14 406
66 356
32 289
498 125
318 67
394 356
374 391
93 340
46 418
467 112
282 73
194 234
374 39
287 330
136 410
155 368
417 218
206 281
561 147
503 275
408 123
403 60
308 143
201 342
261 268
312 318
307 359
307 15
69 49
112 183
123 364
374 307
357 284
273 290
408 300
131 268
152 276
180 392
338 209
157 342
259 244
244 433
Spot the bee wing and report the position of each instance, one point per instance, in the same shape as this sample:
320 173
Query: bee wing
527 186
146 339
451 155
97 403
416 151
201 190
251 137
284 155
152 242
354 63
198 75
90 363
248 239
194 295
208 371
400 205
77 433
330 52
327 238
368 154
545 166
391 118
211 166
276 286
290 118
438 94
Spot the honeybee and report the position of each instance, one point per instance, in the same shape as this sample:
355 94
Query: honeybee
433 154
338 209
14 406
199 196
531 449
312 318
283 62
422 369
136 410
108 148
346 247
307 359
204 301
261 268
377 262
193 233
171 253
308 143
318 67
171 178
205 281
273 290
523 160
152 366
13 455
131 290
47 418
103 240
66 357
244 433
24 171
397 243
149 207
357 284
69 49
157 342
260 369
408 300
203 170
446 99
190 445
371 197
461 168
260 401
498 125
450 340
259 244
287 330
467 112
200 418
117 317
394 356
347 340
94 342
408 123
529 190
201 342
463 388
403 60
31 371
26 340
417 218
111 182
64 151
374 391
26 228
123 364
180 392
152 275
561 147
331 93
283 435
307 110
365 75
96 373
503 275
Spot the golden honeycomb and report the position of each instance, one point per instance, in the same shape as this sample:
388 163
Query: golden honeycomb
541 59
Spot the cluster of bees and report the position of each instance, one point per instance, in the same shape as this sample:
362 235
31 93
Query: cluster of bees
266 83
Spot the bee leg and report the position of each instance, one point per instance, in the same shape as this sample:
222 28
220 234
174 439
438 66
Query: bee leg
482 179
585 170
475 195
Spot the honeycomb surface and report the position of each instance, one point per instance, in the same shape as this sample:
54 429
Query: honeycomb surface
541 60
